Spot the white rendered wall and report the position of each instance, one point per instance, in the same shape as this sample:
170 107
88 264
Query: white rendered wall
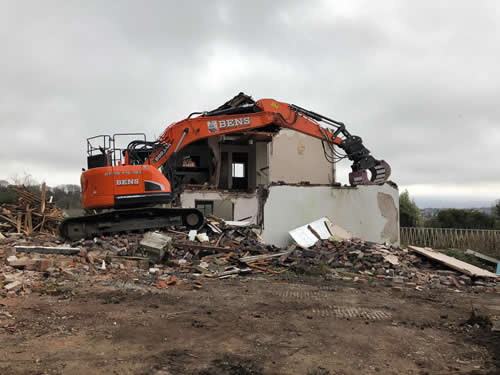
369 212
245 205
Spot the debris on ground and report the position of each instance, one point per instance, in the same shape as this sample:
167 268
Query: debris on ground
451 262
177 257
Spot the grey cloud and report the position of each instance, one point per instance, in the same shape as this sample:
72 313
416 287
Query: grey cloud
418 81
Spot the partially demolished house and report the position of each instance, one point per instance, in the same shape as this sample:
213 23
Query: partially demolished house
280 180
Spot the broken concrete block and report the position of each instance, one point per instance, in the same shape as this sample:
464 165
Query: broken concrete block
334 238
202 237
338 232
13 286
156 244
21 263
10 277
192 234
42 265
495 326
8 251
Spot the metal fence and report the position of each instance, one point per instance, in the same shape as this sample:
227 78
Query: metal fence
486 241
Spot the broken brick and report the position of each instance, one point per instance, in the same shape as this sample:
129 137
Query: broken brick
161 284
13 286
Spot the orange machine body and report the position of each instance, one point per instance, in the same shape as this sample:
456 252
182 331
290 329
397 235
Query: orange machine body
124 186
133 179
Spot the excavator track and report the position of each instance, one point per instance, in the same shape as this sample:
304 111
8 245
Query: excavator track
76 228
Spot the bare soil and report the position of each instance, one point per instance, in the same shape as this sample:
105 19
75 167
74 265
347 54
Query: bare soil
258 325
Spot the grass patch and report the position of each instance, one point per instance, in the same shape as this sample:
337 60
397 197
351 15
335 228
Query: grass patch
468 258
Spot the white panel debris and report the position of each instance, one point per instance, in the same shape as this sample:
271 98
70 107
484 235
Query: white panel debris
237 223
307 235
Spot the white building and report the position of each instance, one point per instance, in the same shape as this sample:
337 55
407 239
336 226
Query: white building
281 180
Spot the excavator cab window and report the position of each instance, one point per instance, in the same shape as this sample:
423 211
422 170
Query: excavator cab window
97 161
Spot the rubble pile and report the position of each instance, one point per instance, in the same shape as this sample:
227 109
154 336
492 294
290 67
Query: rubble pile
402 267
177 257
30 214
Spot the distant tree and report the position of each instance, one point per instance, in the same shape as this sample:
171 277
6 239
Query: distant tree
496 209
66 196
25 179
462 219
7 195
409 213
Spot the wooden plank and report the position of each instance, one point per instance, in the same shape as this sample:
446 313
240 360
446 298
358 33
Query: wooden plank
19 223
29 221
10 220
48 250
41 224
194 246
26 220
177 232
128 257
453 263
264 269
44 196
256 258
218 240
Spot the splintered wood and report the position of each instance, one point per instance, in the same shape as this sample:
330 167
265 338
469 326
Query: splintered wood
30 213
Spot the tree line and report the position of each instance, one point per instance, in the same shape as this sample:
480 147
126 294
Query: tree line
410 216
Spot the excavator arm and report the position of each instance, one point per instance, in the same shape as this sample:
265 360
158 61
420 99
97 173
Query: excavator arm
243 114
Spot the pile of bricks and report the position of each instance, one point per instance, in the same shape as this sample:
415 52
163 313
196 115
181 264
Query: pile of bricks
399 266
177 257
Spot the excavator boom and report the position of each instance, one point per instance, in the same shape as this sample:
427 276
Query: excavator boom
267 112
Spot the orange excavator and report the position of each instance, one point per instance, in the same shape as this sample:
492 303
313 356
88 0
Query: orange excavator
127 183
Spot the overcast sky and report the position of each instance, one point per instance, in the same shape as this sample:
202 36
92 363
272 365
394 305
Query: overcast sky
418 81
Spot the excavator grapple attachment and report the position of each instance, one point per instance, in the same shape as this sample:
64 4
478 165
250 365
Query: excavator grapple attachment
359 178
379 175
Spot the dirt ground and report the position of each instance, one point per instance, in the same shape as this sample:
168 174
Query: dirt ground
258 325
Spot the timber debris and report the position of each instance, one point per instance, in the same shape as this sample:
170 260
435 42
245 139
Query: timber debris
30 214
177 257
